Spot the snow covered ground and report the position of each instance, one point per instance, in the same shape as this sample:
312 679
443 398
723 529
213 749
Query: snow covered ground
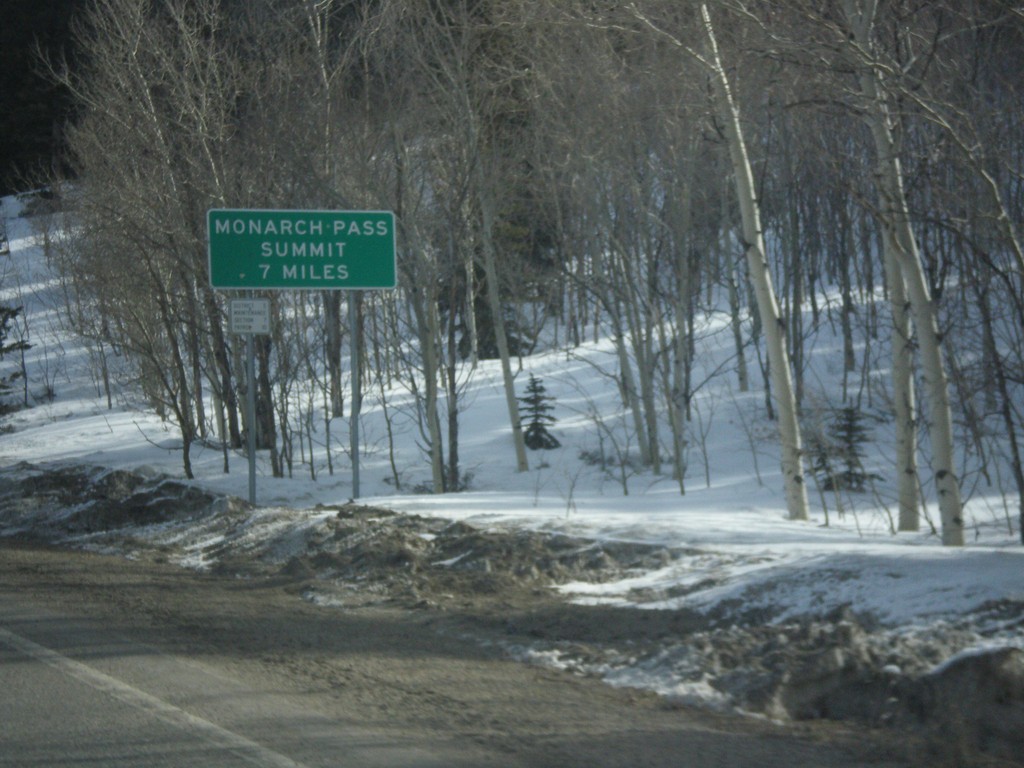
740 550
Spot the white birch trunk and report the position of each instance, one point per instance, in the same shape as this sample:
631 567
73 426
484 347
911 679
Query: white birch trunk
904 405
760 277
629 392
431 365
640 326
901 235
730 265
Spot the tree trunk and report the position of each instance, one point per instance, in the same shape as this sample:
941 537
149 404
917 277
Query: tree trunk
896 219
760 277
266 429
424 305
904 406
1006 407
452 399
636 311
222 358
733 277
791 240
332 343
497 316
677 378
845 250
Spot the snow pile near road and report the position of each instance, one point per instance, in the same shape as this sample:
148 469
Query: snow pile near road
754 635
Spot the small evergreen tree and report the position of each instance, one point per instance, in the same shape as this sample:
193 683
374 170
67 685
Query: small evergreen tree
536 408
845 447
7 315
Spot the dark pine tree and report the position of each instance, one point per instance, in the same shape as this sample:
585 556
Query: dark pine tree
844 446
7 315
536 408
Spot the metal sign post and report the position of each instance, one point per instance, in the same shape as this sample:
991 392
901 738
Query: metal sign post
250 412
357 390
250 317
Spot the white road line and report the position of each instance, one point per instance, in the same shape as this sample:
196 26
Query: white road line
238 745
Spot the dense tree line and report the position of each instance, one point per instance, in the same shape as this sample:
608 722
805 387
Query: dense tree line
33 109
571 166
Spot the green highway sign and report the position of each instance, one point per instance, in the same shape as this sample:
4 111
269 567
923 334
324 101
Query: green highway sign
278 250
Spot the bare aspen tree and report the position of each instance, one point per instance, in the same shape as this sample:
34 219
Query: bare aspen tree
489 260
447 46
852 46
904 405
422 167
760 276
733 279
153 90
901 244
423 299
328 72
970 104
624 141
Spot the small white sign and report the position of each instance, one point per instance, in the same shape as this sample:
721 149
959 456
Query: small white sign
249 316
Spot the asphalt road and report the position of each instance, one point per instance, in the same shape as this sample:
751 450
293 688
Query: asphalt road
111 662
74 694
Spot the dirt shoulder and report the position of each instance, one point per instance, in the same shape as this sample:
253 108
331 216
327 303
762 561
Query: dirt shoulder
413 669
